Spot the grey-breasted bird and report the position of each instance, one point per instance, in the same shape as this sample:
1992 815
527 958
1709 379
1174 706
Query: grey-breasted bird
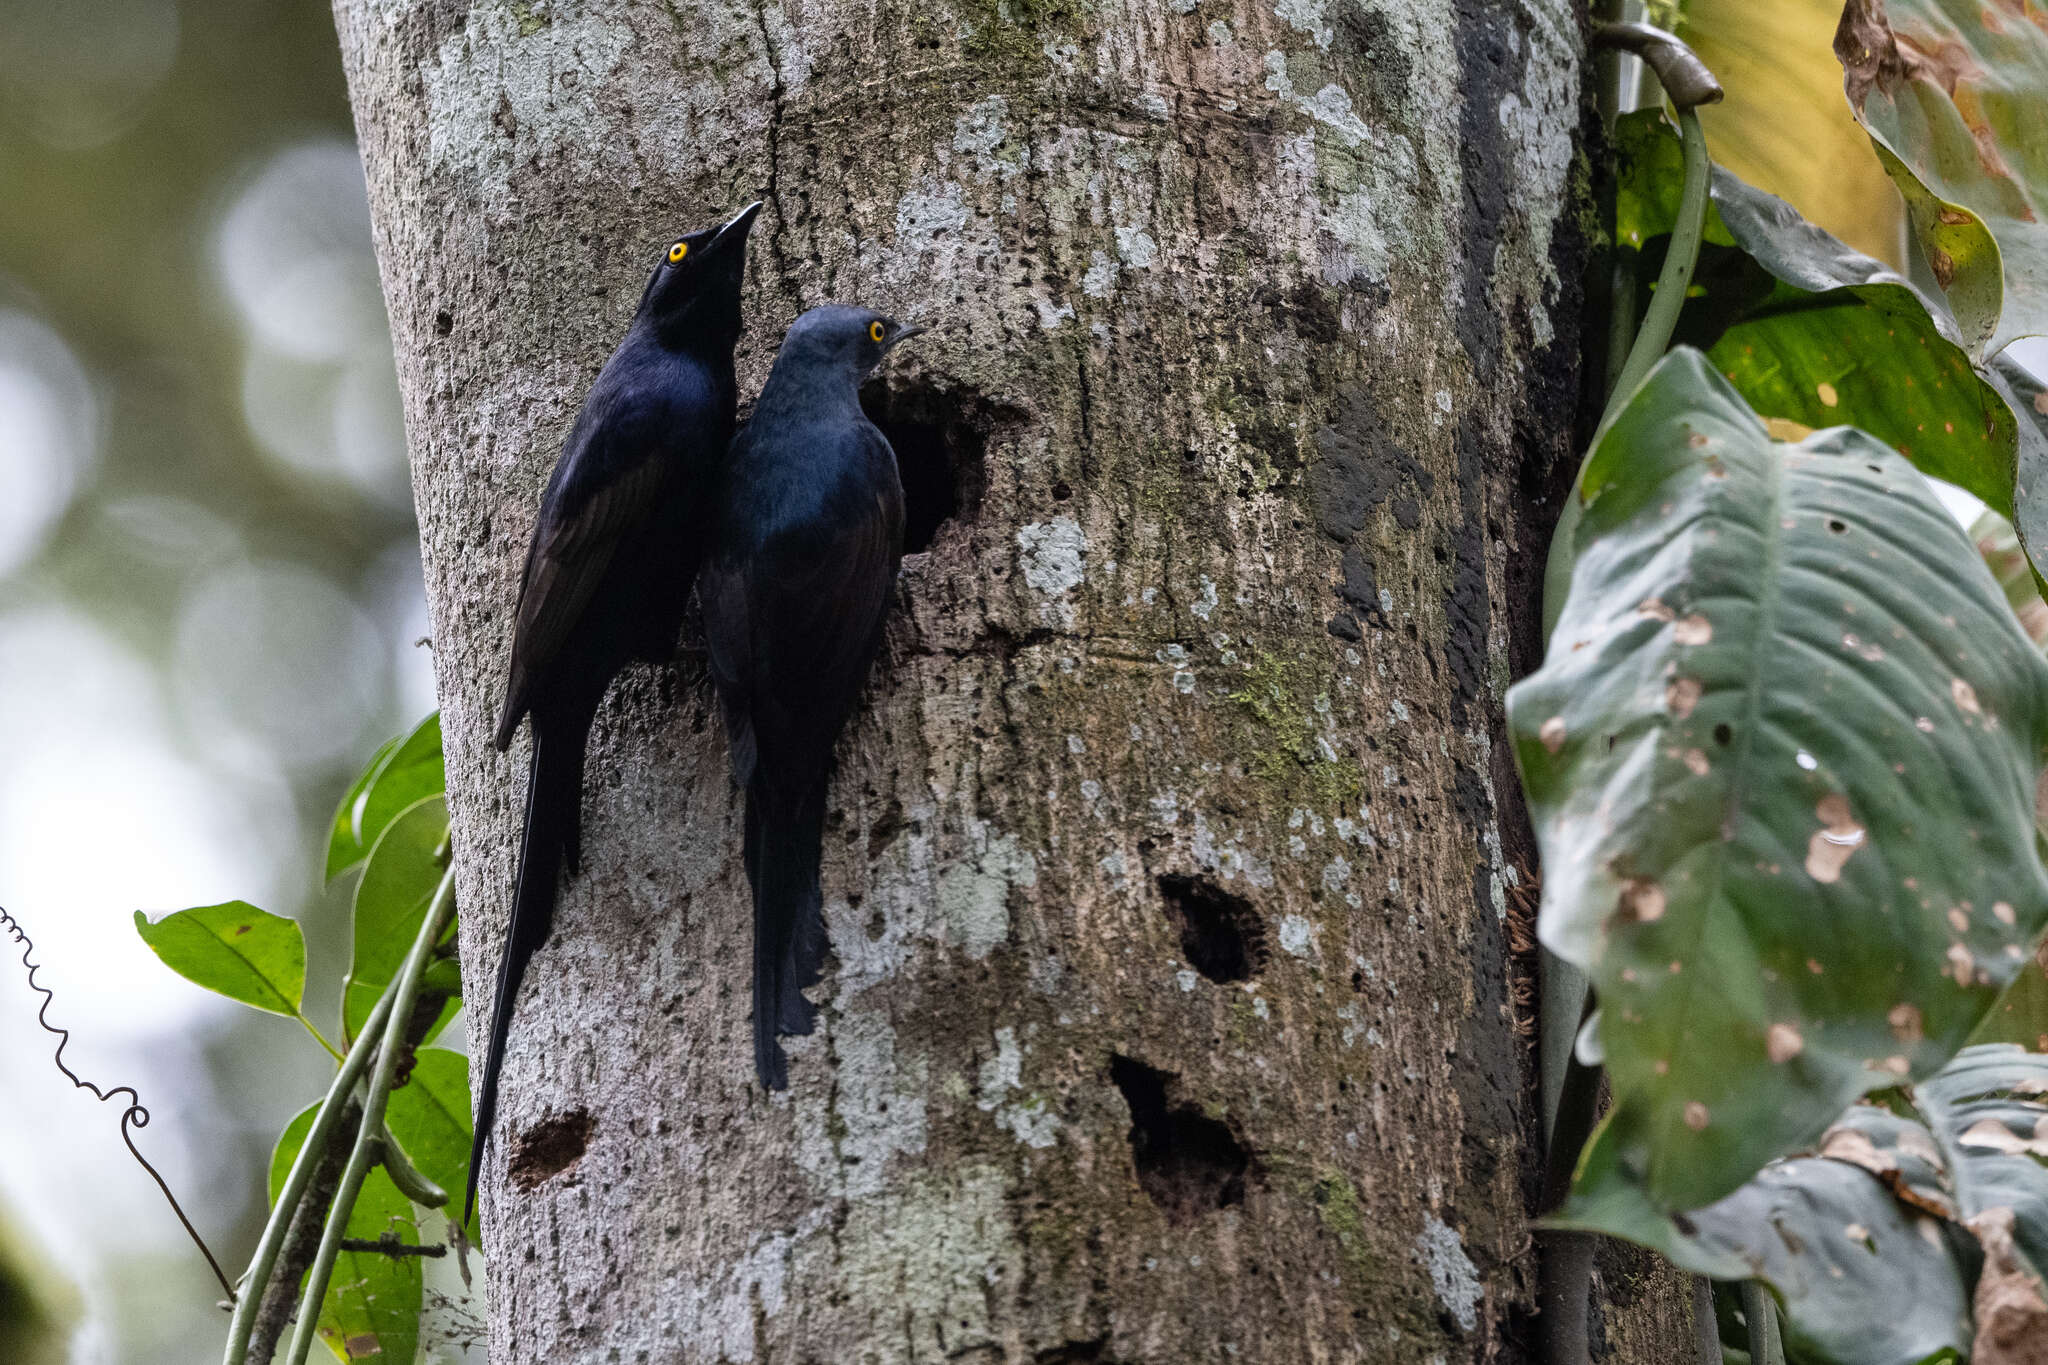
810 532
622 529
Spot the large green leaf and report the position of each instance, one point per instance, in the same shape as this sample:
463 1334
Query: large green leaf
373 1302
1813 332
391 902
1781 756
244 953
1952 93
429 1115
405 770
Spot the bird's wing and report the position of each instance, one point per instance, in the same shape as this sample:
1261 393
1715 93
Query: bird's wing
794 626
607 484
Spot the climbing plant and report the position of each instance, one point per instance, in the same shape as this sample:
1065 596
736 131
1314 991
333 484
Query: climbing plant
359 1175
1783 751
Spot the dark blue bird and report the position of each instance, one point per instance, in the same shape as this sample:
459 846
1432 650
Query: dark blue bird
622 530
810 532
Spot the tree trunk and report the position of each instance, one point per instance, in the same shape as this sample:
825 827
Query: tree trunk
1169 877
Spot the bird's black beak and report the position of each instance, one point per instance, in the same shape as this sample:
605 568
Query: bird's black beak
902 334
736 230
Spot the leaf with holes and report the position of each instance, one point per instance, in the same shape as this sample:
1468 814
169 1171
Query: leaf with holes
1916 1213
1951 93
391 900
373 1302
405 770
244 953
1814 333
1781 757
429 1115
1863 1279
1986 1115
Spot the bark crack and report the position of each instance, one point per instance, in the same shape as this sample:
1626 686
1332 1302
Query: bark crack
777 94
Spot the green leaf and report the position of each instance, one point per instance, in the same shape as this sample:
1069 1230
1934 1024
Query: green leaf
1951 93
244 953
373 1302
1814 333
1864 1279
404 771
1781 758
429 1116
391 901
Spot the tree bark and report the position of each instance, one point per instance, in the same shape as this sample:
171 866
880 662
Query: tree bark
1172 1014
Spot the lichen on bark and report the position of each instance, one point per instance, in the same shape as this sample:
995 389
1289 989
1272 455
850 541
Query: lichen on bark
1256 318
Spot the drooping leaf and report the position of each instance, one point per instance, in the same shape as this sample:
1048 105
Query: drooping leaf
1783 126
1863 1279
1985 1112
373 1302
1782 757
1951 93
391 902
429 1115
1915 1212
405 770
1813 332
240 951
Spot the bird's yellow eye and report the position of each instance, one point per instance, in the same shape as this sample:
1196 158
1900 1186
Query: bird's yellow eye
677 252
875 331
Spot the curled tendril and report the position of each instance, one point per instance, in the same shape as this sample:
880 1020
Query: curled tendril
133 1117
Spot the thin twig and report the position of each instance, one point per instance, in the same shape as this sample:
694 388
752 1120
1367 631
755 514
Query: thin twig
390 1245
134 1116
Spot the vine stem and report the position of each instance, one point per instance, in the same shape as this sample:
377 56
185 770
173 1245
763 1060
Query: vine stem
329 1114
134 1116
369 1135
1760 1311
1569 1092
1653 338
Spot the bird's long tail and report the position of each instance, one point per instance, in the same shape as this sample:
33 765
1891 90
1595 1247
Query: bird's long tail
782 844
551 841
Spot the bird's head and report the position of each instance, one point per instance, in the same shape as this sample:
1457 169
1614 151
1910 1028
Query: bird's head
693 297
837 339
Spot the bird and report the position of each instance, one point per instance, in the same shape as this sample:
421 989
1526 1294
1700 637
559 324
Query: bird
794 595
623 527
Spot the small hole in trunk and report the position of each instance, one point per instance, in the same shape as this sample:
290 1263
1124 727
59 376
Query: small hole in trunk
1188 1163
